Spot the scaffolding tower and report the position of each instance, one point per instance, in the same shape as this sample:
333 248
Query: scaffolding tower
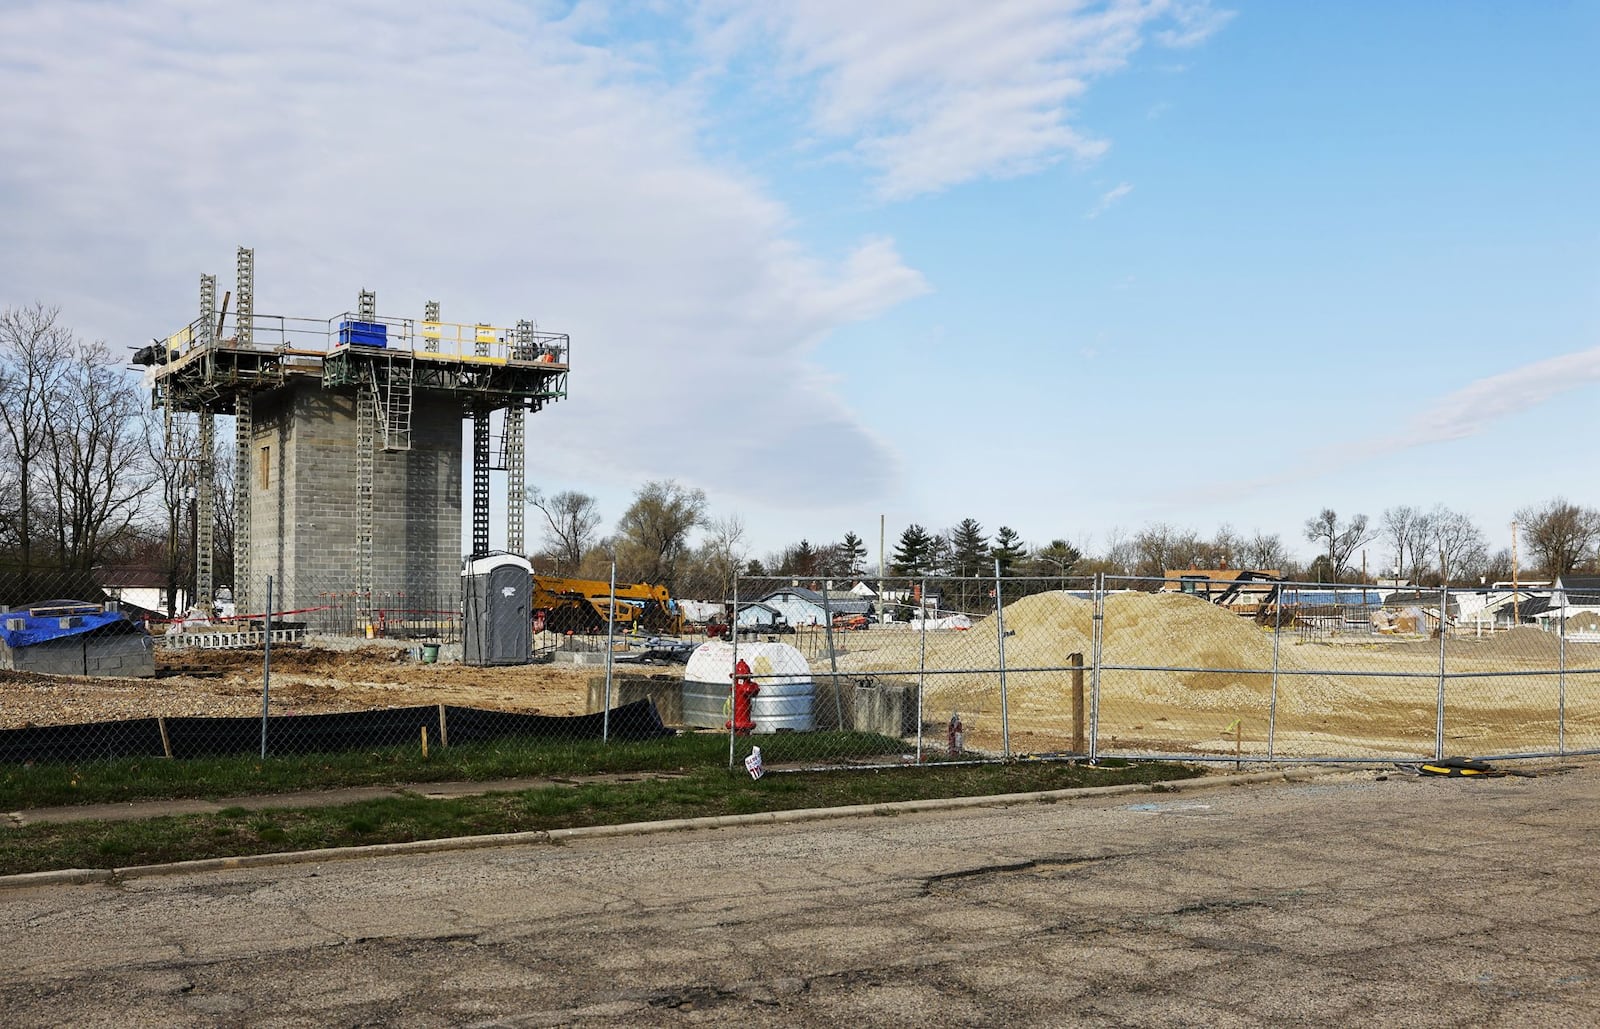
390 369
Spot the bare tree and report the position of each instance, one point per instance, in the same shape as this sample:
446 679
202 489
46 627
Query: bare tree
1264 551
99 465
1160 547
1225 549
35 353
1560 535
1341 539
172 450
653 534
1459 543
224 530
571 519
724 552
1408 532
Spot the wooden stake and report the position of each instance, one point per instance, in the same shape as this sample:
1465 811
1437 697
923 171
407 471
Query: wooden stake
166 743
444 734
424 742
1076 661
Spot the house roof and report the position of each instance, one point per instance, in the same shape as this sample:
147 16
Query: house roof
838 602
1580 590
1423 599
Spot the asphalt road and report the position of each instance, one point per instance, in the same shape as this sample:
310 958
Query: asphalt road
1347 900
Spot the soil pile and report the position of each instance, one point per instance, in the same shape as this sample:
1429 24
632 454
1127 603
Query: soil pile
1188 668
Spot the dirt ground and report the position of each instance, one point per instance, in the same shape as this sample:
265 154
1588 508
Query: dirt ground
1179 676
305 680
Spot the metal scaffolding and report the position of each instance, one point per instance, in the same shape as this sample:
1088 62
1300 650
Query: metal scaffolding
243 431
516 481
397 370
366 410
245 304
480 480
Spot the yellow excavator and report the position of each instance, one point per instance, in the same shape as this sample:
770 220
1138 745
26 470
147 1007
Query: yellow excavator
562 604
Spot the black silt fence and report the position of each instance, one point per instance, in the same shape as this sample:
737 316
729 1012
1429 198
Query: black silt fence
188 737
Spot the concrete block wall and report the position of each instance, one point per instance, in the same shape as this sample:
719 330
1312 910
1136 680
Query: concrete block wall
52 657
304 512
122 655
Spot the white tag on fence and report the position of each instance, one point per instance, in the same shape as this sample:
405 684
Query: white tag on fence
753 763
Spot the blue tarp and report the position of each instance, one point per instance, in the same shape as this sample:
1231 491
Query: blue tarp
40 628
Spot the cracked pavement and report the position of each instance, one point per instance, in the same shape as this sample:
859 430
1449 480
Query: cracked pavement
1358 898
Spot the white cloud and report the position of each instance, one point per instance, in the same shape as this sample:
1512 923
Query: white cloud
932 93
1108 198
1192 24
477 153
1475 407
1469 411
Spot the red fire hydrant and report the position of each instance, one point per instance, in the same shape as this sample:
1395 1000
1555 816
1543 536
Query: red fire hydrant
744 690
957 734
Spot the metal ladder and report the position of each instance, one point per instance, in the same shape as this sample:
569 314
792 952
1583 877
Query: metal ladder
397 394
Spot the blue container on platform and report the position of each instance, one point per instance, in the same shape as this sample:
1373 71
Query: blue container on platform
364 334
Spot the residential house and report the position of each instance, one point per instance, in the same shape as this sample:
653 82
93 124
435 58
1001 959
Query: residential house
801 606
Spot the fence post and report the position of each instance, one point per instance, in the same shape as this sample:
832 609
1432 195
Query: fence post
922 667
1272 702
1076 660
733 638
1561 681
1094 670
1438 728
611 646
266 667
833 658
1000 627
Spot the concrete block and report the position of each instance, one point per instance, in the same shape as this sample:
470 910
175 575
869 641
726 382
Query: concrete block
666 692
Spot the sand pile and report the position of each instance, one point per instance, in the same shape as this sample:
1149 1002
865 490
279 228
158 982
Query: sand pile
1165 630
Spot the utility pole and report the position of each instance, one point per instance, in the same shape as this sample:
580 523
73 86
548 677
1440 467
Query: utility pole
1516 615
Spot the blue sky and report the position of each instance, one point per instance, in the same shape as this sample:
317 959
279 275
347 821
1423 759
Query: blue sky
1072 268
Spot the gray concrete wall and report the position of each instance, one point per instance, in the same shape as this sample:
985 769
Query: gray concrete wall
305 516
121 655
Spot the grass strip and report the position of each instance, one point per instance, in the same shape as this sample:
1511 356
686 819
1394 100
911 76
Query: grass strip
133 779
701 792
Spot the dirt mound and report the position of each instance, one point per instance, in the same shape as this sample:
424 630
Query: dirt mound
1160 640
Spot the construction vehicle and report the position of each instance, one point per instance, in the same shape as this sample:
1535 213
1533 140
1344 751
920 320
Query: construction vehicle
1246 592
562 604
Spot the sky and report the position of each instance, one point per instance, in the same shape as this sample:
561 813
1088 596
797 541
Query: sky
1073 268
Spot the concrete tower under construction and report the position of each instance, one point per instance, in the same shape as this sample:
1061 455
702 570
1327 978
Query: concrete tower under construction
348 459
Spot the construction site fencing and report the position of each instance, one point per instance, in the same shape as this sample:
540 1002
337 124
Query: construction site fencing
820 672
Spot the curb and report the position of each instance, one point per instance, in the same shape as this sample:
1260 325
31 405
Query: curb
79 876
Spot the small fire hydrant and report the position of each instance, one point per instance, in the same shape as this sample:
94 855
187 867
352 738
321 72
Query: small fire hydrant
957 734
744 690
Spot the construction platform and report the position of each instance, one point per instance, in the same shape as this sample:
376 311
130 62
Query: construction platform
348 454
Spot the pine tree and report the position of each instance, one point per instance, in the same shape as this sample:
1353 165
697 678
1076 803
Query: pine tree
1008 548
911 553
968 548
852 554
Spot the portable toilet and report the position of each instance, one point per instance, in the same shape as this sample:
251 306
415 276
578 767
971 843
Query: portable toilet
497 613
787 690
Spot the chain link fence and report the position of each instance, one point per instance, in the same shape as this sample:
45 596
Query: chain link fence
817 672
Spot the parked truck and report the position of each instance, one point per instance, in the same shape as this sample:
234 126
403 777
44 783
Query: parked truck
564 604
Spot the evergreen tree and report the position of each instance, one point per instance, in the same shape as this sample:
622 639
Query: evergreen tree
803 559
1008 548
1057 559
969 548
852 554
911 553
